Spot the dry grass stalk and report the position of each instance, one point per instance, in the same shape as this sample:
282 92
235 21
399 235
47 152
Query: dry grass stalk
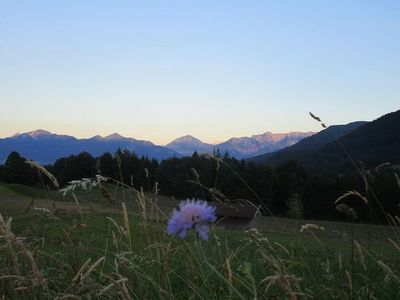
156 189
11 239
78 205
92 268
121 287
352 193
107 195
127 230
195 174
344 208
30 205
119 160
340 261
397 179
349 281
105 289
281 277
11 277
98 166
392 220
317 119
285 281
78 276
120 229
5 232
165 253
67 234
142 205
114 239
126 220
45 172
382 166
361 255
110 286
283 248
86 184
389 271
228 270
68 296
144 214
397 246
79 226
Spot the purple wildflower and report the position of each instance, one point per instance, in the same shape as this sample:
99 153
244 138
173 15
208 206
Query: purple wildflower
192 214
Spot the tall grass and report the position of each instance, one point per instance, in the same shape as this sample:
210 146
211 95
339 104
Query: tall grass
120 255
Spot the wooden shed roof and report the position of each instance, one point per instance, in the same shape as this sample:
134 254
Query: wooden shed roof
236 209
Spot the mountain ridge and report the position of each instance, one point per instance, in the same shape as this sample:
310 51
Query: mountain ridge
261 143
371 143
310 143
46 147
239 147
186 145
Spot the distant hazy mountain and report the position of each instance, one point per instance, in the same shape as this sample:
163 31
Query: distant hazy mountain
263 143
188 144
372 143
239 147
46 147
308 144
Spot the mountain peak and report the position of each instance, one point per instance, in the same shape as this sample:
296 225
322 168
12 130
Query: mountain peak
188 144
114 136
34 134
39 132
186 139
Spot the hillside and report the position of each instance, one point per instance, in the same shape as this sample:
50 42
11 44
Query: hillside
372 143
308 144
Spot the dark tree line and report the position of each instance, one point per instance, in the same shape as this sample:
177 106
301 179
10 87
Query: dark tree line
282 189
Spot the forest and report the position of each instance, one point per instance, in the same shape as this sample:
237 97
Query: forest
285 190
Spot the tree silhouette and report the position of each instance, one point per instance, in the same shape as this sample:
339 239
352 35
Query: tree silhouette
17 171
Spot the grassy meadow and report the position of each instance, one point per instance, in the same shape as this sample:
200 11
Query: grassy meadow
85 246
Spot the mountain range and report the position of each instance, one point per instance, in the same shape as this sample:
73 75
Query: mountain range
309 144
338 148
46 147
328 151
242 147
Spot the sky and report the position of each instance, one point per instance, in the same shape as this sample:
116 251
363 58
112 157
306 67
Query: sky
158 70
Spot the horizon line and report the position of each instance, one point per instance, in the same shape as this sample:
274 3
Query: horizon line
158 144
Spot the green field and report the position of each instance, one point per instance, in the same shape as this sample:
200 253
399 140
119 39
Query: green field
89 248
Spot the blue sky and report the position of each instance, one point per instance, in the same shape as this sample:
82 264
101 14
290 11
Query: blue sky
158 70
